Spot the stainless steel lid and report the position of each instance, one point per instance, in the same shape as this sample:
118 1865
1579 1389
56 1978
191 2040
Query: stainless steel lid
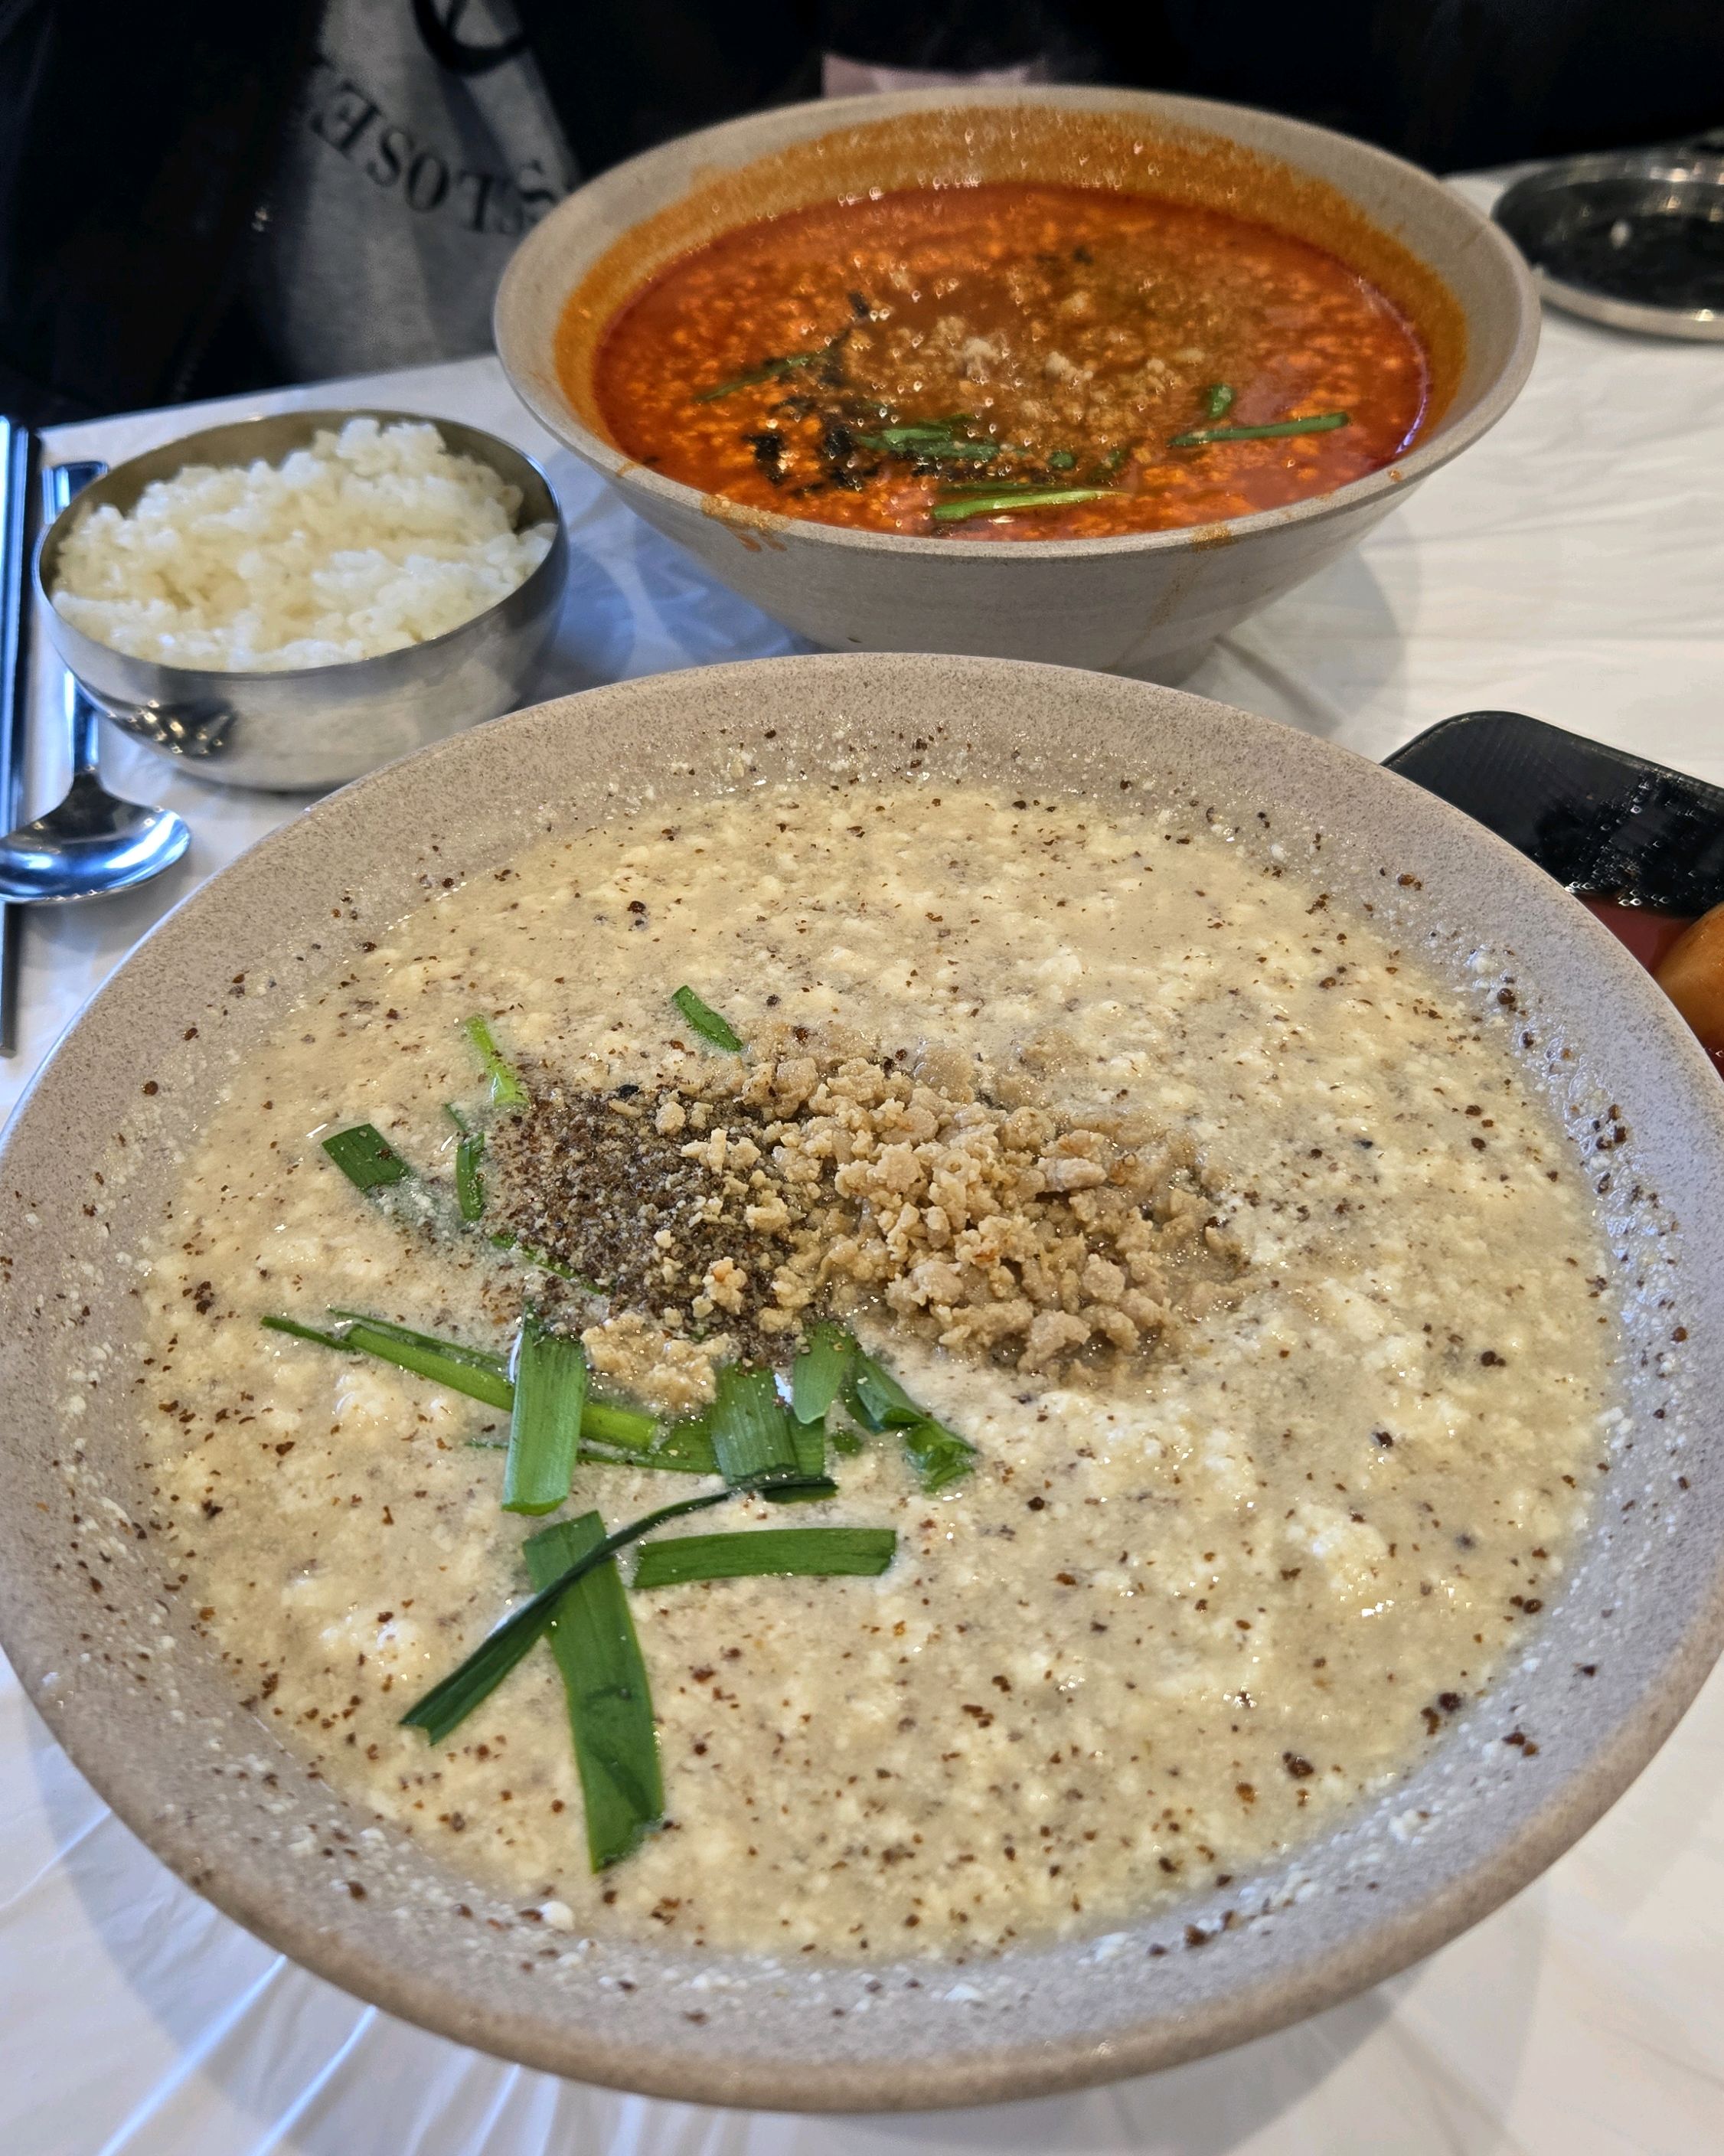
1633 237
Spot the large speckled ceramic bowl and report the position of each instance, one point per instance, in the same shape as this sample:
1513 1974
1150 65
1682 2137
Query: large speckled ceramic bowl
1153 602
114 1660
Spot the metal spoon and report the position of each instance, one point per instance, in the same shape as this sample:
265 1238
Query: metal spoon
94 844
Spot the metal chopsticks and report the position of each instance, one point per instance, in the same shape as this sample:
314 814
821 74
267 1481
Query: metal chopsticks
18 531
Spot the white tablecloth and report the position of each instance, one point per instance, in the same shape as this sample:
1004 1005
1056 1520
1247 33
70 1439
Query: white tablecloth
1571 565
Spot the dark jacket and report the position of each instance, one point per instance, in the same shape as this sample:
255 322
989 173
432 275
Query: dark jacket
136 141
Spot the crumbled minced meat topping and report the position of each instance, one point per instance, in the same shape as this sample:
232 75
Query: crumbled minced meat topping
717 1210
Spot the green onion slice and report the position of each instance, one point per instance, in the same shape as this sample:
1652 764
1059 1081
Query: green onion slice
818 1374
470 1184
1060 460
610 1703
604 1423
938 1454
809 1440
1010 500
456 1373
750 1432
833 1365
965 452
1321 423
545 1430
876 1399
507 1090
366 1158
454 1351
706 1021
540 1260
769 370
622 1436
448 1704
928 443
1217 399
457 1369
879 1402
909 433
686 1447
295 1331
764 1553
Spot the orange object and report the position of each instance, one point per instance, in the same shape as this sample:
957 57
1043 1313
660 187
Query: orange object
1062 336
1647 934
1691 974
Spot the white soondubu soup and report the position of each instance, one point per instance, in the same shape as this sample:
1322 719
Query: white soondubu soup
1241 1249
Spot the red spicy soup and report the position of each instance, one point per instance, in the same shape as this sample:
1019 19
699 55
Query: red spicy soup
1014 360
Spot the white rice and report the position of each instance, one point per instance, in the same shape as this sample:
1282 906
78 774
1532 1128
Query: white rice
371 540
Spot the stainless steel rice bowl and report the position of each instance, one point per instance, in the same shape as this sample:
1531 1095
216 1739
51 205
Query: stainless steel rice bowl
314 727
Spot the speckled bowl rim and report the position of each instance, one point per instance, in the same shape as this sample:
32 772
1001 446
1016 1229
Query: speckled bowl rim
1247 1981
1446 439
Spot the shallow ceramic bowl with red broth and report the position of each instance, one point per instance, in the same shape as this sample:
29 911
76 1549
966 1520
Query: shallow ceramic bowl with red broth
624 323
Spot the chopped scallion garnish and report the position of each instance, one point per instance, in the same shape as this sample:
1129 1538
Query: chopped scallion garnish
454 1351
544 1428
706 1021
1200 437
454 1372
879 1402
769 370
1217 399
448 1704
763 1553
507 1090
295 1331
876 1399
938 1454
366 1158
470 1184
686 1447
809 1440
929 444
817 1376
603 1422
610 1704
910 434
750 1431
607 1430
833 1365
1008 501
610 1455
541 1261
468 1370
